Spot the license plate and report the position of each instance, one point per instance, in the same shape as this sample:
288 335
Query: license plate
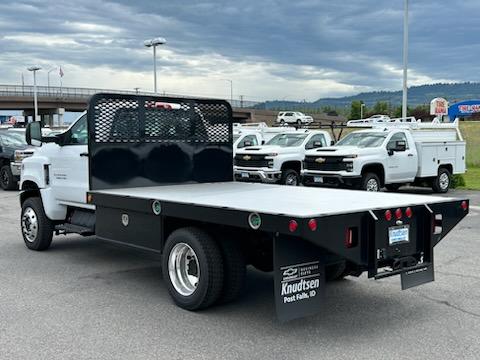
318 179
398 234
245 175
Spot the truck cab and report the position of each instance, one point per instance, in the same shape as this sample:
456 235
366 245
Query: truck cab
59 170
280 159
388 157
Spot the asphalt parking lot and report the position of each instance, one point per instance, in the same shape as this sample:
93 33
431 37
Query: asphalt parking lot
86 299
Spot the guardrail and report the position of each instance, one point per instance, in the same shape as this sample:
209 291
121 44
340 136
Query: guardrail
66 93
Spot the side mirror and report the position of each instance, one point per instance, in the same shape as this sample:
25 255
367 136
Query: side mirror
263 142
332 142
33 134
400 145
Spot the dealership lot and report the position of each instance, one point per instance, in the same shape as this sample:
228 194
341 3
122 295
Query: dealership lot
87 299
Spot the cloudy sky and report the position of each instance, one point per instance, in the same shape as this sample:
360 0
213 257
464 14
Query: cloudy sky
271 49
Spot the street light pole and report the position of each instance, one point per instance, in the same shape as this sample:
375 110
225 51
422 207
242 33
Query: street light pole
34 69
405 60
362 105
48 77
231 90
154 43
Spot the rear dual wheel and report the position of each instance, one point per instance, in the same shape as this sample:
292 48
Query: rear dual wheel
199 271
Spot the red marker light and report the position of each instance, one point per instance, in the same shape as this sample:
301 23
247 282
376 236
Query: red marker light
409 212
388 215
398 214
292 226
464 205
312 224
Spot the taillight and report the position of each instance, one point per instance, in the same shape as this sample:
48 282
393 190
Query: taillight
398 213
292 226
409 212
388 215
464 205
351 237
312 224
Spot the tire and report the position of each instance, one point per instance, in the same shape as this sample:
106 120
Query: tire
368 181
442 182
7 180
299 122
336 271
282 122
234 270
206 261
290 178
393 187
37 228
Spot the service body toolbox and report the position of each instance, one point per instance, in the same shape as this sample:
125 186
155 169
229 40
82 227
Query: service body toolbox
176 197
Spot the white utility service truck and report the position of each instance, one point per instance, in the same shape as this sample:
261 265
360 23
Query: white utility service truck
155 174
280 159
390 155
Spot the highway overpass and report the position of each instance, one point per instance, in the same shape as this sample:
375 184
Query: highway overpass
55 100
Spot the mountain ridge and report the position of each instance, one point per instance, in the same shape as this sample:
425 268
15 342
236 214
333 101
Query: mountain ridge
417 95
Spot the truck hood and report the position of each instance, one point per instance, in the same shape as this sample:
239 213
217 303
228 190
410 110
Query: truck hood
342 151
267 149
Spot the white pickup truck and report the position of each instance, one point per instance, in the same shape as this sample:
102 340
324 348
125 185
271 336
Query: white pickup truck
390 155
254 134
280 159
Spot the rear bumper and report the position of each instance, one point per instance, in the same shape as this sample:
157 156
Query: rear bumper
312 178
259 175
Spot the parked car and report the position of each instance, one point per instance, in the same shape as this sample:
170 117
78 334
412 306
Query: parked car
390 156
280 159
294 117
13 149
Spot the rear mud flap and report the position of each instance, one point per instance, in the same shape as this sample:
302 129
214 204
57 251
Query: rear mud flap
418 276
299 278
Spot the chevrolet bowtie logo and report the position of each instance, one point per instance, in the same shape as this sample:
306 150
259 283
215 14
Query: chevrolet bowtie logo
320 160
247 157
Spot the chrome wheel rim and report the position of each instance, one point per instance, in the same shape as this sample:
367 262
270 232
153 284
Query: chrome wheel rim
30 224
372 185
183 269
291 180
444 181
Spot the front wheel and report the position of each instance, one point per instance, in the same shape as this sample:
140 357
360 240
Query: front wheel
290 177
193 269
7 180
370 182
441 183
37 228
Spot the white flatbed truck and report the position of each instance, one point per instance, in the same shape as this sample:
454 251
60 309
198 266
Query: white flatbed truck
160 179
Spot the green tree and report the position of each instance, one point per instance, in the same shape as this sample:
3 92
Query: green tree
381 107
355 110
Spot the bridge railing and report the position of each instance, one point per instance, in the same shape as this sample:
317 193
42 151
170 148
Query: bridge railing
68 93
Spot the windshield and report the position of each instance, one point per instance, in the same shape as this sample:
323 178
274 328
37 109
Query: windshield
14 139
363 140
286 140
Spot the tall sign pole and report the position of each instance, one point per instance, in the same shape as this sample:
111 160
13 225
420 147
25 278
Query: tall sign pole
405 61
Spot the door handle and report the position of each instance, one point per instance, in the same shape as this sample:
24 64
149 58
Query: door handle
84 154
410 155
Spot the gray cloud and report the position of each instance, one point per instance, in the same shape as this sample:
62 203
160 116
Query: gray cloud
352 42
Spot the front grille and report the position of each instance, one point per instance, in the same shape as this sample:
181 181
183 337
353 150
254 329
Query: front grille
331 163
256 161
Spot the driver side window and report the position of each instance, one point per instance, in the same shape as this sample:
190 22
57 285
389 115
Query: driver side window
315 141
78 134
